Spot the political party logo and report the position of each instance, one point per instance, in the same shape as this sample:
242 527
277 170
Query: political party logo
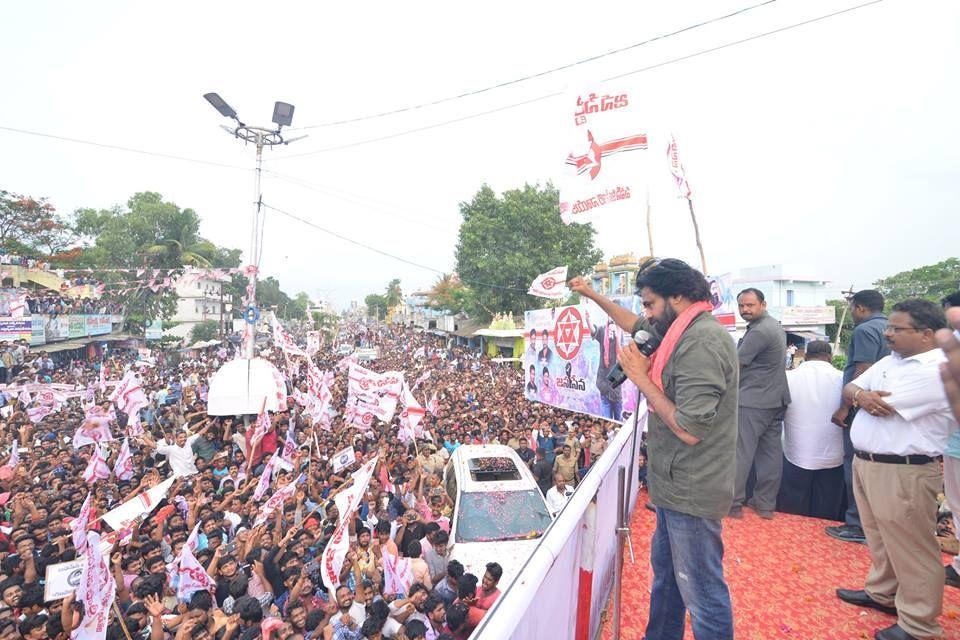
74 578
568 332
549 283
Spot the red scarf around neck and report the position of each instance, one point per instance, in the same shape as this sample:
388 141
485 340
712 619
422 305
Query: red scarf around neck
662 355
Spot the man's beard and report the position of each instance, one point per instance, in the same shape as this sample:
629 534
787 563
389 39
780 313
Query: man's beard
662 323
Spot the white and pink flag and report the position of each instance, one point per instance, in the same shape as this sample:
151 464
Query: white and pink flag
129 395
192 576
123 467
604 171
397 574
334 554
263 485
276 501
552 284
97 468
677 170
80 524
97 590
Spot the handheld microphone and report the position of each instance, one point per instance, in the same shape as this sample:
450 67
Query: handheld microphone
647 343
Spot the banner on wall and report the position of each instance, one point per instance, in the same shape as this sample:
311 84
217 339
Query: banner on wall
154 330
16 328
38 334
77 327
569 353
98 325
57 328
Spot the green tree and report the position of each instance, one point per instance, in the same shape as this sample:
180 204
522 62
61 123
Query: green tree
148 234
32 227
376 305
394 294
506 241
299 305
448 294
932 282
205 330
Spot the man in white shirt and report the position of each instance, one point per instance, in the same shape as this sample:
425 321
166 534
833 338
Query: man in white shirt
180 455
812 483
898 438
558 494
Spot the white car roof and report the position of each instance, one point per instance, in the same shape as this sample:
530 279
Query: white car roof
465 455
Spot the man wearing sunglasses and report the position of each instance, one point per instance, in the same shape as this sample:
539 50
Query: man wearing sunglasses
691 386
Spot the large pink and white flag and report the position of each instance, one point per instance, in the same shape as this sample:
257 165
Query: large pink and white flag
604 171
397 574
677 170
192 576
25 398
276 501
93 430
123 466
129 395
97 590
134 428
331 561
263 485
97 468
552 284
79 526
261 427
124 516
413 412
374 392
283 340
289 449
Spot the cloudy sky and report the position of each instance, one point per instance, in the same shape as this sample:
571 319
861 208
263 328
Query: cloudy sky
834 146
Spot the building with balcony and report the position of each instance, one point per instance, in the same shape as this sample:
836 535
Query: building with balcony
199 298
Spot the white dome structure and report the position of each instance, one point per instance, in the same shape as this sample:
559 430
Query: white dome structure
241 386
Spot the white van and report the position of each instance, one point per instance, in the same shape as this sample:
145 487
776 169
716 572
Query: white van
499 512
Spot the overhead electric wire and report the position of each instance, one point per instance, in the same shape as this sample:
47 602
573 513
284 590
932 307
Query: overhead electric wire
387 254
539 74
115 147
664 63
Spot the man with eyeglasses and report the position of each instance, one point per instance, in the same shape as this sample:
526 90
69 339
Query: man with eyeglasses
898 436
867 346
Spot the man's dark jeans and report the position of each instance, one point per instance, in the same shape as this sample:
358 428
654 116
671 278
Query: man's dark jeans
687 558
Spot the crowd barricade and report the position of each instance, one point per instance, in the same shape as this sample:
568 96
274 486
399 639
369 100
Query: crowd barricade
567 580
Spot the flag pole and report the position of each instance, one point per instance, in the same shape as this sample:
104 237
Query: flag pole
649 227
696 233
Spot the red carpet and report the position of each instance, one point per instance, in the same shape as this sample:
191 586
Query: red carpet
782 574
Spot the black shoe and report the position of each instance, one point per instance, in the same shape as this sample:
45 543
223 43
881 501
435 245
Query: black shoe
763 513
847 533
952 578
861 599
893 632
736 512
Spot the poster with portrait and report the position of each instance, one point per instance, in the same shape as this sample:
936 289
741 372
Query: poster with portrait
568 354
724 300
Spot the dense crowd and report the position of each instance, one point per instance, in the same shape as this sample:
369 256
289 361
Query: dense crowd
265 576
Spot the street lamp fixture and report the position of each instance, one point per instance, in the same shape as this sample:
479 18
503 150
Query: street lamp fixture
220 105
261 137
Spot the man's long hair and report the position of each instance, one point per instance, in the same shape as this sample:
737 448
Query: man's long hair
672 277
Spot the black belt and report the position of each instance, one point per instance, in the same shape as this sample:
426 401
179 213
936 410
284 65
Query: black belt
892 459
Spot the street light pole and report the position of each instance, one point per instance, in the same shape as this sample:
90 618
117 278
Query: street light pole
260 137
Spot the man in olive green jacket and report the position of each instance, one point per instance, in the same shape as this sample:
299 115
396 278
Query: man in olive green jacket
691 391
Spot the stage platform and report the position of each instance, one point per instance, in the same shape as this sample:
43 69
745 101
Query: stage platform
782 575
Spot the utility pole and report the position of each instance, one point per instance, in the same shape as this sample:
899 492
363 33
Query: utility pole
222 328
261 137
